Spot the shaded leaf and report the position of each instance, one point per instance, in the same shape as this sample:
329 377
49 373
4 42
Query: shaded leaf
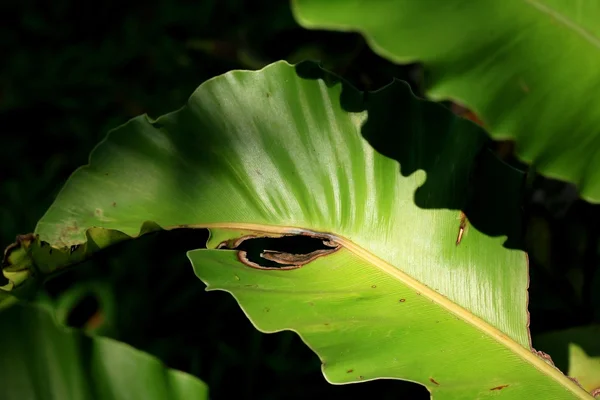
527 68
41 360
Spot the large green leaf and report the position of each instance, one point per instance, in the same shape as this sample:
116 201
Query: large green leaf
395 283
41 360
528 68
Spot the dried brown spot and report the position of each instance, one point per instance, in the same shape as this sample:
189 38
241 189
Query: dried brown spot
461 227
434 381
543 355
465 113
499 387
402 300
114 203
373 286
574 380
243 257
267 309
95 321
326 324
418 293
595 392
523 86
350 371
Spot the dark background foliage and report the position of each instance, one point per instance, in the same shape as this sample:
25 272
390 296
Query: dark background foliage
70 71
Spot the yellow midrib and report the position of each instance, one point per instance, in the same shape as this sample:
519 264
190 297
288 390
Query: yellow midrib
406 279
589 36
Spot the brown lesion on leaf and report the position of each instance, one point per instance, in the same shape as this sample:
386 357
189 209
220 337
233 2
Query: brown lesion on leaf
499 387
293 259
524 87
434 381
280 252
462 227
545 356
66 232
595 392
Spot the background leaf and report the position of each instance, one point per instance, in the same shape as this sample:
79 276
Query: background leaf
576 351
41 360
528 69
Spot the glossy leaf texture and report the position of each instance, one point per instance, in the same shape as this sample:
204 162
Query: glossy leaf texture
527 68
374 181
40 360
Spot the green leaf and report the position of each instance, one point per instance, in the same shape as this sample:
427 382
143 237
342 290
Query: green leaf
527 68
370 185
577 352
41 360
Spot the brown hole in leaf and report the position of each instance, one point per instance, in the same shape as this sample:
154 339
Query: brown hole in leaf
350 371
499 387
434 381
402 300
281 252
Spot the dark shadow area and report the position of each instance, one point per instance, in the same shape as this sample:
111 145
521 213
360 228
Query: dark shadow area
462 172
162 308
562 345
83 311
